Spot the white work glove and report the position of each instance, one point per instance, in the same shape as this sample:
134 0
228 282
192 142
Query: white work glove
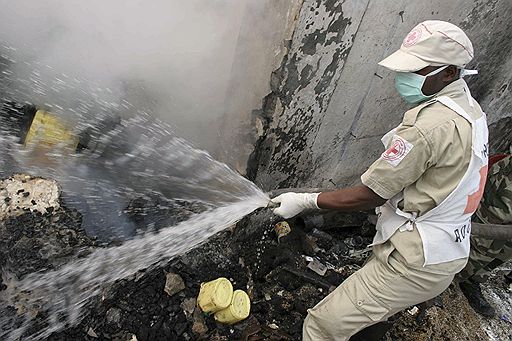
294 203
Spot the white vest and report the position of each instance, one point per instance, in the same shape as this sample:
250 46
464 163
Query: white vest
445 229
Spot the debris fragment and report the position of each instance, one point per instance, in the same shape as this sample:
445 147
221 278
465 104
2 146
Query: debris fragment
311 244
321 234
253 327
308 258
413 311
92 333
199 326
282 229
363 254
113 315
217 337
311 279
317 267
173 284
189 305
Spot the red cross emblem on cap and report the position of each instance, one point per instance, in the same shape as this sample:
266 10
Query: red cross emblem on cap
412 38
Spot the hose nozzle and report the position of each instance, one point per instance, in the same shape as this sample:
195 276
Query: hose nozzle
272 204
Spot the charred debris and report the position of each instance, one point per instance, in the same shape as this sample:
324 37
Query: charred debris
284 269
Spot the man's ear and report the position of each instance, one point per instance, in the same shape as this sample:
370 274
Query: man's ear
451 73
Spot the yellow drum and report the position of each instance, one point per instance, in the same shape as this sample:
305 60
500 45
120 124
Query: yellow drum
215 295
47 129
238 310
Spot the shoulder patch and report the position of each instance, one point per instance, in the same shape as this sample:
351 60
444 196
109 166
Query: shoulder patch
399 149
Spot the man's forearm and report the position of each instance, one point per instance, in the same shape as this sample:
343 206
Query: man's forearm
357 198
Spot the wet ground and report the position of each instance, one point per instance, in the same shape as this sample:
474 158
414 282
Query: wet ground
283 277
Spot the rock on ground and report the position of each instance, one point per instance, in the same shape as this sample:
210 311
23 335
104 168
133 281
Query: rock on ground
21 193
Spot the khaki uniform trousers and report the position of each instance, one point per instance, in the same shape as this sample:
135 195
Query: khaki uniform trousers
375 292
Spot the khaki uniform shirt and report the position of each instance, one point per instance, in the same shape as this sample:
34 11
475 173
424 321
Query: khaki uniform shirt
441 150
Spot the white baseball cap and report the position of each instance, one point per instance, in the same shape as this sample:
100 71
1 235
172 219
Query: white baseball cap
432 42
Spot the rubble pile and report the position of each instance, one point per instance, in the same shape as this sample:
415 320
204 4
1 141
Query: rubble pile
285 270
160 303
36 233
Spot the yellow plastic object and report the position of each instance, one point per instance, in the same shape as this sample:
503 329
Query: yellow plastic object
215 295
46 129
238 310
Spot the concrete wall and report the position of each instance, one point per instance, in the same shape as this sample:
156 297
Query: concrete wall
265 31
331 103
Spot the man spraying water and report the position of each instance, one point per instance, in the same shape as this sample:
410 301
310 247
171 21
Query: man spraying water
426 186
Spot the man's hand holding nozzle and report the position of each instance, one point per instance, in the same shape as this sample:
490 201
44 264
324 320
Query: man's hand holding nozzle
290 204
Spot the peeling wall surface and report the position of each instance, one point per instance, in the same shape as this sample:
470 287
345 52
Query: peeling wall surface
266 28
331 103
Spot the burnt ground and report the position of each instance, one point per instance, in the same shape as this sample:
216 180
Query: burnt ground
273 272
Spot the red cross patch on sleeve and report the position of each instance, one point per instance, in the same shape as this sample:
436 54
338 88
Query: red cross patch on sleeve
398 151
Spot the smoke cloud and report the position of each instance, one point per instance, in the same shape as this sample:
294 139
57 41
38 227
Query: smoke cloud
172 57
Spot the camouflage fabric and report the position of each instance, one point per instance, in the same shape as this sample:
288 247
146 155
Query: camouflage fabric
485 256
496 204
495 207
